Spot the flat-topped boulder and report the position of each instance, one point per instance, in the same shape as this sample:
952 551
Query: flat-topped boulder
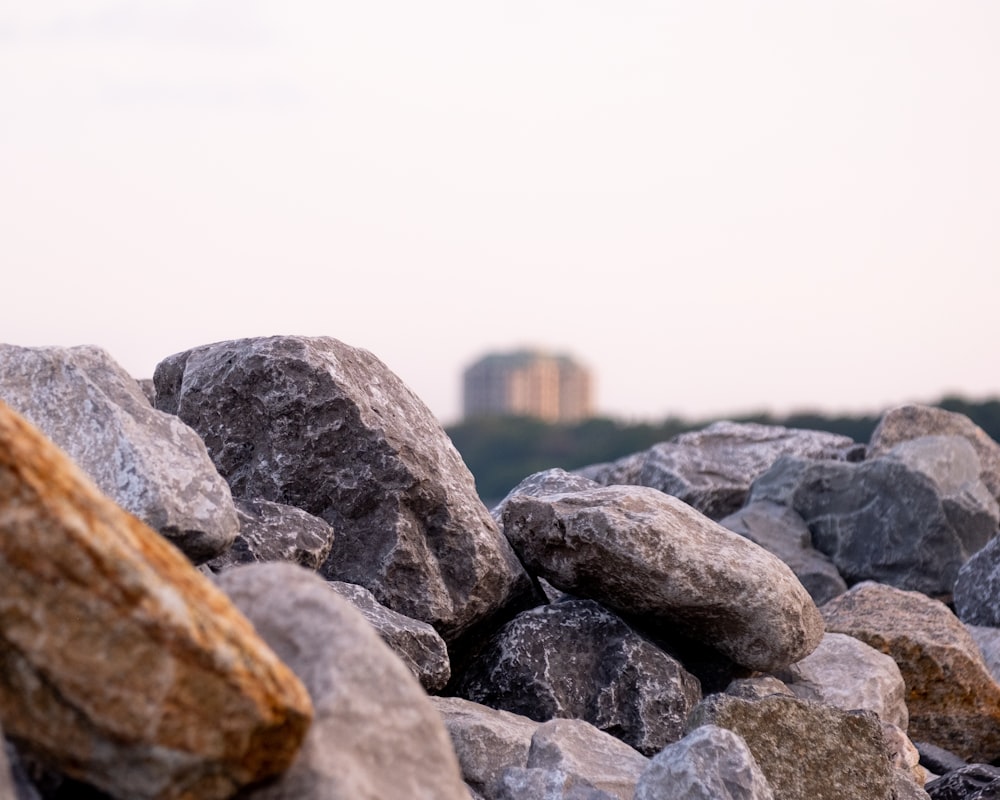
641 552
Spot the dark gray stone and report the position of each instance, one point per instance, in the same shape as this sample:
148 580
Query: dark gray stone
577 660
938 760
977 587
150 463
710 763
645 553
779 530
712 469
878 520
326 427
806 750
972 782
416 643
276 532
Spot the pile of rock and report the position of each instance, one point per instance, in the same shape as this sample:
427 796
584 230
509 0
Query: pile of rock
276 580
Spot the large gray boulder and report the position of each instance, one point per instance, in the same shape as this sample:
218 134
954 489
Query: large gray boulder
575 659
641 552
807 750
150 463
538 783
907 422
712 469
977 587
539 484
326 427
375 733
710 763
880 520
779 530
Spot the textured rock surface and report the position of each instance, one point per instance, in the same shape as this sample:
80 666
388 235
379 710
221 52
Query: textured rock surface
846 673
486 741
328 428
712 469
577 660
416 643
878 520
521 783
376 734
550 481
953 700
120 664
977 587
779 530
988 640
276 532
973 782
579 749
806 750
913 421
758 687
642 552
148 462
904 754
710 763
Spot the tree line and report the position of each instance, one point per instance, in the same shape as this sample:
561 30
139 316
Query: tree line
502 451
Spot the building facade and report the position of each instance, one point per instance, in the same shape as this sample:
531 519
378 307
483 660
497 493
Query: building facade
528 383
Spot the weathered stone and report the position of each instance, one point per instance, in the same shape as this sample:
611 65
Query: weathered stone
148 462
276 532
486 741
376 734
846 673
878 520
120 665
710 763
579 749
972 782
938 760
521 783
779 530
904 754
758 687
328 428
977 587
416 643
577 660
806 750
639 551
913 421
953 700
988 640
712 469
550 481
906 789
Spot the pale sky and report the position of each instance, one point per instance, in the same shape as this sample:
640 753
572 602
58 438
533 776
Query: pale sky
718 207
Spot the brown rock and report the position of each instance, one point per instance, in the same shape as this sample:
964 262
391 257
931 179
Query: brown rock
120 664
952 699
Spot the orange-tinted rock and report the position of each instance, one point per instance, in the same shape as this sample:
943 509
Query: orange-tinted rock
120 664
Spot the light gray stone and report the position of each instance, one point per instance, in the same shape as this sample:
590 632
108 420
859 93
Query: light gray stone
375 734
276 532
416 643
326 427
710 763
779 530
988 640
846 673
579 749
150 463
522 783
486 741
575 659
757 687
639 551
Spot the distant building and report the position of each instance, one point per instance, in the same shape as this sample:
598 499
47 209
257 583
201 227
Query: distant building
528 383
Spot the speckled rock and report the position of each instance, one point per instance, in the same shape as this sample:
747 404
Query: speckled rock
712 469
757 687
779 530
416 643
977 587
550 481
121 665
326 427
276 532
806 750
972 782
642 552
148 462
521 783
575 659
988 640
376 734
953 700
847 673
710 763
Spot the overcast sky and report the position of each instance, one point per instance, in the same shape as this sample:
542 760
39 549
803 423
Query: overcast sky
717 206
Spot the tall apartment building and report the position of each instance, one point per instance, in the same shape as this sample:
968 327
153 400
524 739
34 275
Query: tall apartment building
529 383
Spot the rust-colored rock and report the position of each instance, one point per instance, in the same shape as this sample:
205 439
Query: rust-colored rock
120 664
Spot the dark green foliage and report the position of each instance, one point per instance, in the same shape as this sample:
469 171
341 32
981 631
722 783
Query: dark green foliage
502 451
